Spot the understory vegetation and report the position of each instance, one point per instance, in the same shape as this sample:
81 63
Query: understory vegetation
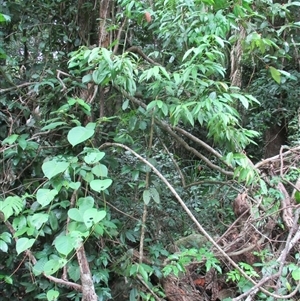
149 150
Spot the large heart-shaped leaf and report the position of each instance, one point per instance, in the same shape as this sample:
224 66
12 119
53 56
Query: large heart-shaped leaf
53 167
45 196
75 215
92 216
100 185
23 244
64 244
79 134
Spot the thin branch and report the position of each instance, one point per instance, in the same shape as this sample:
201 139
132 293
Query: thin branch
18 86
192 217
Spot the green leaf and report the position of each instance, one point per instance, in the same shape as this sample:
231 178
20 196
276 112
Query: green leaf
53 221
45 196
297 197
11 205
74 185
64 244
3 246
93 157
54 167
4 18
275 74
146 196
52 295
100 170
75 215
100 185
54 265
53 125
23 244
296 274
38 268
79 134
10 140
155 195
5 236
37 220
85 203
92 216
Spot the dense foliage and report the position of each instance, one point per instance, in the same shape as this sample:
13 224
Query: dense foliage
146 146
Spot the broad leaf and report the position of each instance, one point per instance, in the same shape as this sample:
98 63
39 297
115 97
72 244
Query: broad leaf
23 244
45 196
92 216
146 196
79 134
54 167
93 157
64 244
52 295
37 220
275 74
100 185
75 215
54 265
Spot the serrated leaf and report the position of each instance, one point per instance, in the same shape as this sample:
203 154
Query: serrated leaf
53 167
79 134
45 196
64 244
100 185
23 244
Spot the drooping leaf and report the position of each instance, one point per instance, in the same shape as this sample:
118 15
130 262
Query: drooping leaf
146 196
155 195
276 75
3 246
